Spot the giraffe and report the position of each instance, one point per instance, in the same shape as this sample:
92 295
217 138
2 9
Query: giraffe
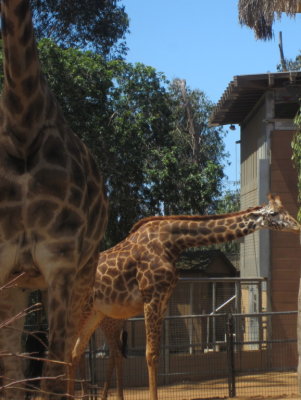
53 207
138 275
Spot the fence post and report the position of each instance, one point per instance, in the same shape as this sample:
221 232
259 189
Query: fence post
230 356
92 365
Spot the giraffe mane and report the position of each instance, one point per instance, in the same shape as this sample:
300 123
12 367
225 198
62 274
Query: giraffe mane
145 220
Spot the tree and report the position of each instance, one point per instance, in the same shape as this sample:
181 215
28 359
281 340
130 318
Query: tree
291 65
139 123
98 25
186 175
229 202
260 15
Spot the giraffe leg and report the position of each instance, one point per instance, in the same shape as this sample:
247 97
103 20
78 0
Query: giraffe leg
155 305
57 322
12 301
113 329
68 307
153 326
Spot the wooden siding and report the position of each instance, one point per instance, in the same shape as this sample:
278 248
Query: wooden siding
285 247
252 137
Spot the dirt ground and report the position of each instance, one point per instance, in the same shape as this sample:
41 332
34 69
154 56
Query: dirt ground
269 386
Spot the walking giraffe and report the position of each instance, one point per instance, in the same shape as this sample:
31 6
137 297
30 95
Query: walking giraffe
53 209
139 274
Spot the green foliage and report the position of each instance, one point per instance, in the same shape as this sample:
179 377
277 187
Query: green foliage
296 146
98 25
295 65
229 202
291 65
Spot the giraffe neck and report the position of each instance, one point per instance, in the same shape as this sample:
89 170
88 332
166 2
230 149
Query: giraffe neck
177 233
21 64
24 94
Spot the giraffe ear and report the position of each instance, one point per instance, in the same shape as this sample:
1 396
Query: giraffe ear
274 200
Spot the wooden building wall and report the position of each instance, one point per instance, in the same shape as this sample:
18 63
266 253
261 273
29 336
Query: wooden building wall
285 247
252 135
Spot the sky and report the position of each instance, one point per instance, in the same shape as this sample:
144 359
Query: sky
203 42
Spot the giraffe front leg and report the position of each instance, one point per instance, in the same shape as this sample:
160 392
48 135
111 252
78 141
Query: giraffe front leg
54 381
12 302
69 305
153 327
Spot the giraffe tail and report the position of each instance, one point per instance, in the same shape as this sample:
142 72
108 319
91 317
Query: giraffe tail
124 343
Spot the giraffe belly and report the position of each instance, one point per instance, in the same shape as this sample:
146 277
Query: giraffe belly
124 305
122 311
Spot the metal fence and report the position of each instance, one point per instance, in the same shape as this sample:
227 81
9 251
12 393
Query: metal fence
257 355
221 350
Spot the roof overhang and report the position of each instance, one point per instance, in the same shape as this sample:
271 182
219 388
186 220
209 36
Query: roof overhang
244 91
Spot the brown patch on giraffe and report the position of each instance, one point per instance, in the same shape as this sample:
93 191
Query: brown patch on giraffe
118 283
7 26
238 233
111 263
106 280
67 223
63 249
112 272
54 152
27 35
230 236
77 174
251 225
211 224
15 164
11 221
219 229
204 231
30 84
49 182
21 11
75 197
30 55
34 111
13 102
41 212
9 191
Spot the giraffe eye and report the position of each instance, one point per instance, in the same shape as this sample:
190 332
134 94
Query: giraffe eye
274 213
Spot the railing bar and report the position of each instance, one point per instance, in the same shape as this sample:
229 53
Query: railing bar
251 315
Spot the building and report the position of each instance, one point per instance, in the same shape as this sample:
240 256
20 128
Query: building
264 105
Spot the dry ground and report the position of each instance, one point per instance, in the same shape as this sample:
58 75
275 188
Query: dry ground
269 386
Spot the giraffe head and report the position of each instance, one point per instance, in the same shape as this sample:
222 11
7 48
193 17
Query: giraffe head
275 216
